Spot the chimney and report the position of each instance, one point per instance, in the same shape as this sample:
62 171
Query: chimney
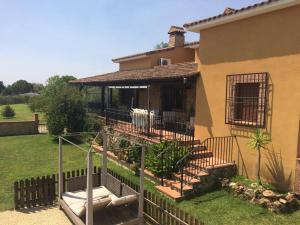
176 38
228 11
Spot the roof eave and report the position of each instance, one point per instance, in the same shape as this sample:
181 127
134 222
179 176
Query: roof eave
129 58
242 15
136 81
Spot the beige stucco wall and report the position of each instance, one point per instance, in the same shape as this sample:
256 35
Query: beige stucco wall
266 43
177 55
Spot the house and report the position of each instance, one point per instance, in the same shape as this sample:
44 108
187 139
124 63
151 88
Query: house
243 74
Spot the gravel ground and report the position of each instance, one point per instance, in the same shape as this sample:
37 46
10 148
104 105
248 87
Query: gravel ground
36 216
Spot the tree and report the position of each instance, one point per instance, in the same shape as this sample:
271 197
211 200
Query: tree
37 88
18 87
8 112
63 105
161 45
2 87
258 141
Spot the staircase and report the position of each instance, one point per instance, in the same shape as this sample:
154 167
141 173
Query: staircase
199 168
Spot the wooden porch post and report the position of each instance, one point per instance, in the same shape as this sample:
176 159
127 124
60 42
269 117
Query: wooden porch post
89 189
102 100
148 106
60 168
104 161
141 197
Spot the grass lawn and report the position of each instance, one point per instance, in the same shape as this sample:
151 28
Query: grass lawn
36 155
22 111
220 207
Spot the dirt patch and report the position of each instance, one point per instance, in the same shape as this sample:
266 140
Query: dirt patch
35 216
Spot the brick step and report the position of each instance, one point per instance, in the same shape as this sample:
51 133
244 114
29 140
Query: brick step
199 148
201 154
195 172
217 166
187 179
207 162
168 191
175 184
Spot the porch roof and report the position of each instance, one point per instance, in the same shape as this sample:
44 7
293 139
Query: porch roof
143 76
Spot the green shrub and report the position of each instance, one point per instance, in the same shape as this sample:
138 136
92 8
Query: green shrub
13 99
93 124
8 112
172 154
134 154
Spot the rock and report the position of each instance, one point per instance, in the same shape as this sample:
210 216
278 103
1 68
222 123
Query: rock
232 184
269 194
249 193
293 203
240 189
290 196
276 206
279 196
254 185
282 201
225 183
263 202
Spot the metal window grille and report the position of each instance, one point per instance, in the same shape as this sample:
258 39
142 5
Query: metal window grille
246 99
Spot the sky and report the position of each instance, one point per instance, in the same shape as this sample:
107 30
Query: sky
42 38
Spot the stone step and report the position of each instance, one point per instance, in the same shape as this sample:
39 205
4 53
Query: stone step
168 191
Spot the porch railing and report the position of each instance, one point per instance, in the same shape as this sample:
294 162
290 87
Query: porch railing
152 126
204 156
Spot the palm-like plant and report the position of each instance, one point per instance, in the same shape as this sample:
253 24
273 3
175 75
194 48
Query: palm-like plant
258 141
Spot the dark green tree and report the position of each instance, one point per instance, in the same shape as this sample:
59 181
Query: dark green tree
2 87
161 45
18 87
8 112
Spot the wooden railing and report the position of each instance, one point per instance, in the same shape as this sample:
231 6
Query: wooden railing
43 191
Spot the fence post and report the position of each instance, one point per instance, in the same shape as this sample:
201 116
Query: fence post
16 188
141 197
60 169
89 189
104 160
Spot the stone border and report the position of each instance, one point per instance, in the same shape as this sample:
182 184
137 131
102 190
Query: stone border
257 194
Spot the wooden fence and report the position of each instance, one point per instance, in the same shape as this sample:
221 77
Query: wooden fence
44 191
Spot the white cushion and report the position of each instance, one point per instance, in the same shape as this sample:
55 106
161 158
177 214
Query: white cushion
100 203
76 200
123 200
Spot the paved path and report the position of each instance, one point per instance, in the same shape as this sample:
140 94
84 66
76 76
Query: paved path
37 216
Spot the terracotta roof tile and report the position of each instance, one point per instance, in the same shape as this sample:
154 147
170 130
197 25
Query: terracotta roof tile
158 73
151 52
229 11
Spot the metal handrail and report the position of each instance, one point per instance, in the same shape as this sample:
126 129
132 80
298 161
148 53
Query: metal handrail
181 163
